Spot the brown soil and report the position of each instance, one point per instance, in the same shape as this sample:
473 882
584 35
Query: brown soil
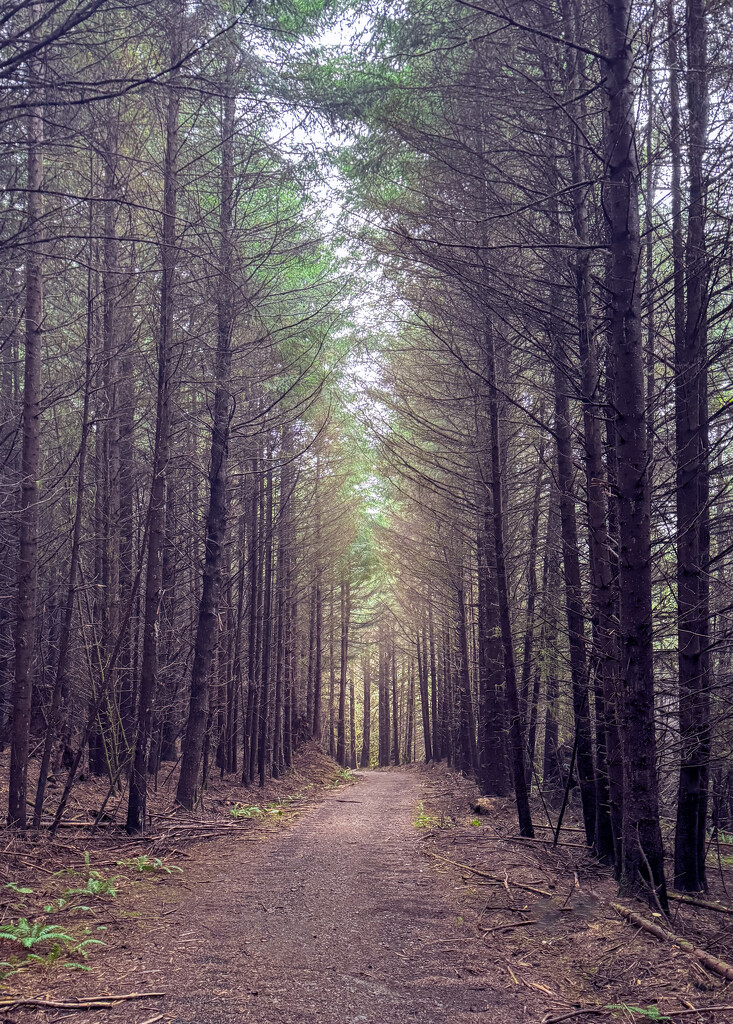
576 949
351 913
336 920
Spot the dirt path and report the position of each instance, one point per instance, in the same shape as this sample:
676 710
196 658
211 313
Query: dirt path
337 920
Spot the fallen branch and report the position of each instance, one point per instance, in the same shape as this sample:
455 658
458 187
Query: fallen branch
563 828
713 963
699 1009
574 1013
484 874
705 904
105 1002
527 839
506 927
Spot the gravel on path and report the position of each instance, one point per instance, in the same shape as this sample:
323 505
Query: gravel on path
338 920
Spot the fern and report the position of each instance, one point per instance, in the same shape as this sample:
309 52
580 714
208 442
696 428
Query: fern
97 885
651 1012
423 819
246 811
14 887
30 935
145 863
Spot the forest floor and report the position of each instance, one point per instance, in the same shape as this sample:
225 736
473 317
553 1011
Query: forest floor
356 903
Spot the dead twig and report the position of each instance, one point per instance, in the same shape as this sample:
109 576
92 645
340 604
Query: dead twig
104 1002
485 874
507 927
547 1019
550 842
699 1009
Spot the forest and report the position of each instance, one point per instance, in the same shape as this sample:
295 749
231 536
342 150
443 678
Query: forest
365 383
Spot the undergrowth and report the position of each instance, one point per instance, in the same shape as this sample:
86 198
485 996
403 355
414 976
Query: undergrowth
76 895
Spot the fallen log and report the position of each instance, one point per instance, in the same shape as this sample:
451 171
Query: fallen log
713 963
693 901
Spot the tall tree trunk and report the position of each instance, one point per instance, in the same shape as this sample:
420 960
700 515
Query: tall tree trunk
608 796
216 517
446 691
692 481
254 532
318 625
539 662
366 740
291 658
437 746
643 854
410 715
331 675
27 566
126 674
395 753
551 776
516 739
534 532
467 749
384 697
111 538
345 606
310 679
318 668
264 717
352 724
137 799
573 592
493 775
283 597
422 650
62 662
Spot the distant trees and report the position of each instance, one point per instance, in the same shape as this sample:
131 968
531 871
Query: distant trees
552 181
170 454
501 536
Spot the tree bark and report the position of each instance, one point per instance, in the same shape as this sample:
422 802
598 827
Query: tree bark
643 854
395 753
62 663
366 740
493 775
266 633
217 514
422 668
573 592
692 479
27 566
345 606
516 739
